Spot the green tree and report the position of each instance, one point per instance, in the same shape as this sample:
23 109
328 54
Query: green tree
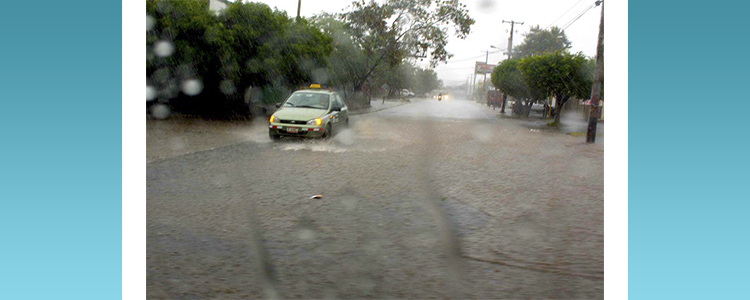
347 60
248 45
539 41
426 81
507 78
267 48
563 75
397 78
180 25
394 30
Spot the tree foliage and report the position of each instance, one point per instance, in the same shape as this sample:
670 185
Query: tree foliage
182 25
398 77
426 81
507 78
563 75
540 41
247 45
376 43
347 61
251 45
403 28
269 48
393 30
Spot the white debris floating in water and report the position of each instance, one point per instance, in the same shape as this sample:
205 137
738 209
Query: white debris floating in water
191 87
163 48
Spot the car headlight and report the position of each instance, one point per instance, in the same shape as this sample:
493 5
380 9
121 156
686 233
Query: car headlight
316 122
272 119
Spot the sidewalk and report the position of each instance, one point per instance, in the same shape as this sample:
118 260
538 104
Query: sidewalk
571 123
378 105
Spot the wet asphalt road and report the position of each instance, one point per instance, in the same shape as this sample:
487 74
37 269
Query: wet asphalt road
426 200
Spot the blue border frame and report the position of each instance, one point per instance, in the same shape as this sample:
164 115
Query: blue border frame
61 162
688 150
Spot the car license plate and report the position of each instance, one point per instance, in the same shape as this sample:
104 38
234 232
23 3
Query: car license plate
292 129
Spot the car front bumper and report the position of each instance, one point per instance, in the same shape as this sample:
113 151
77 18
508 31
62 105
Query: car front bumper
310 131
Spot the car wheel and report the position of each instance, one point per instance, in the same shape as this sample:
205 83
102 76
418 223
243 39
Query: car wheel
274 137
327 134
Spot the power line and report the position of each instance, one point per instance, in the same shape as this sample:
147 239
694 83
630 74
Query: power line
581 15
470 58
463 58
576 17
454 80
558 18
451 69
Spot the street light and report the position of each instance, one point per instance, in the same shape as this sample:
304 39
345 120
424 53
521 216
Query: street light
498 48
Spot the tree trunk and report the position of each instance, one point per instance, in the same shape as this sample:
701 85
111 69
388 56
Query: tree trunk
527 109
560 103
502 108
518 107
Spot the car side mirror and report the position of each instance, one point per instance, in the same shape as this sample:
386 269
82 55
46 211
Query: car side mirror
278 105
336 109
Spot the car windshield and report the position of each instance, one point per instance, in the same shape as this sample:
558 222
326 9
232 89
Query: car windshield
308 100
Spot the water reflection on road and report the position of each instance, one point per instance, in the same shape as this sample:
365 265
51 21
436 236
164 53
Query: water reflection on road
429 199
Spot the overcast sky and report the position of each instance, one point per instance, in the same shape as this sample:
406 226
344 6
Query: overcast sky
489 29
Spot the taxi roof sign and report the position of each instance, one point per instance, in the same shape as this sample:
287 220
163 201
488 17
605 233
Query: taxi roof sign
315 86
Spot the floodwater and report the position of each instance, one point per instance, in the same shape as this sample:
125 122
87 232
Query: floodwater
426 200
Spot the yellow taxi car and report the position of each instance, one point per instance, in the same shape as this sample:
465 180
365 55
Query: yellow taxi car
309 113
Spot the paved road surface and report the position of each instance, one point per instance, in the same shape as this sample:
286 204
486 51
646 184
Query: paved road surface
425 200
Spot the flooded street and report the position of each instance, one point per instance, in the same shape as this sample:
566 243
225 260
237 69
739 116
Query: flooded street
425 200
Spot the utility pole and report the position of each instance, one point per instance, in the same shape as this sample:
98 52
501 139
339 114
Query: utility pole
596 89
299 6
510 40
484 85
474 81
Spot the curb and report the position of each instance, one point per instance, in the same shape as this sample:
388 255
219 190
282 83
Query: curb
581 134
377 110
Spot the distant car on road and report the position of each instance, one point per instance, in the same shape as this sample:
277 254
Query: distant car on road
309 113
406 93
